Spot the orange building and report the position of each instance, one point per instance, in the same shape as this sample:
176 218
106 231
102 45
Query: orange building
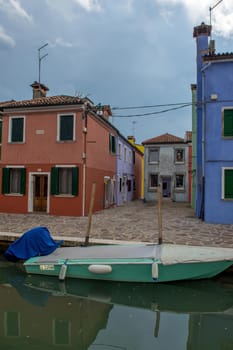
53 150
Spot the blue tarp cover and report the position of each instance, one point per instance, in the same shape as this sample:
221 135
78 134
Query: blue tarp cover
34 242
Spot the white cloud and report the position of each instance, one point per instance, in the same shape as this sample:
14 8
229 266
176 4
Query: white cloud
198 11
60 42
13 8
89 5
5 38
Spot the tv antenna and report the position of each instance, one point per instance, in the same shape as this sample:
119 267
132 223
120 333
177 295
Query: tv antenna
40 58
212 8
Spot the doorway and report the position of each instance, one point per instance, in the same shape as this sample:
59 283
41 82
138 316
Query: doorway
40 191
166 186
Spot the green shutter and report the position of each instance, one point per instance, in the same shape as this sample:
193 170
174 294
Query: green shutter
228 183
75 181
5 180
228 122
66 127
112 143
54 181
0 131
17 130
23 181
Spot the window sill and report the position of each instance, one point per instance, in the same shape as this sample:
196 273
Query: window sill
66 141
16 142
64 195
13 194
152 189
179 189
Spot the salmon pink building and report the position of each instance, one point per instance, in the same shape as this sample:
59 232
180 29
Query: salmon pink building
53 150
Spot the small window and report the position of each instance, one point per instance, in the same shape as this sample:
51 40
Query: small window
125 154
120 184
153 155
153 181
129 185
130 157
16 129
64 181
66 130
112 144
179 155
228 183
228 122
119 150
179 182
13 180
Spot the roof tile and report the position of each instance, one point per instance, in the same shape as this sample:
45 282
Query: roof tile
164 139
46 101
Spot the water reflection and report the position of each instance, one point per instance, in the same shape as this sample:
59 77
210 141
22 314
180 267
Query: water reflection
39 312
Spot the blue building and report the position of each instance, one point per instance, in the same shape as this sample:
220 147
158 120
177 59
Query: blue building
214 165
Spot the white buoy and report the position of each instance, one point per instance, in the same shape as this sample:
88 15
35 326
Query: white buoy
100 269
62 273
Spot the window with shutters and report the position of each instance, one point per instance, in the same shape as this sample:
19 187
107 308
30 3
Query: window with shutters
66 127
153 155
227 181
13 180
65 180
179 155
179 182
228 122
112 144
153 181
16 130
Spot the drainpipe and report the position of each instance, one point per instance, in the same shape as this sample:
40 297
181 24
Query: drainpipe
202 213
84 159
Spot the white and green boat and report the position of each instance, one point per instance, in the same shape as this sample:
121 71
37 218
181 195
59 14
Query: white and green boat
133 263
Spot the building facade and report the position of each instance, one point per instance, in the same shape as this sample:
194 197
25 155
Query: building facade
214 130
53 150
124 171
138 168
166 160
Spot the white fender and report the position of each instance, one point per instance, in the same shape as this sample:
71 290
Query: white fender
155 271
100 269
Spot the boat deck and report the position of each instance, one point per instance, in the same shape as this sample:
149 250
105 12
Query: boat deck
102 252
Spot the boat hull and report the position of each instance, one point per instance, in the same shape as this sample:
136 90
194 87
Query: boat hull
128 271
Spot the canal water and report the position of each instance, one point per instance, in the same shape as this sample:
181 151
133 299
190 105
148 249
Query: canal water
44 314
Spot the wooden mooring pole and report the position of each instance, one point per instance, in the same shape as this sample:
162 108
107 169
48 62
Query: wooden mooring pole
160 226
90 214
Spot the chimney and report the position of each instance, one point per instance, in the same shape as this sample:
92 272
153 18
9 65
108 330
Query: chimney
39 90
188 136
104 111
131 139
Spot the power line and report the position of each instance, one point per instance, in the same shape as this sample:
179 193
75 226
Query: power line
151 106
179 106
152 113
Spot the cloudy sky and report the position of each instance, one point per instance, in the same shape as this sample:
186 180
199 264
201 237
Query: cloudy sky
125 53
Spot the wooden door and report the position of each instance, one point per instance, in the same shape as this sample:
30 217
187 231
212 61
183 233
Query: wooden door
40 193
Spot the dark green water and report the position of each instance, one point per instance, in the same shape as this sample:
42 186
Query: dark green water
44 314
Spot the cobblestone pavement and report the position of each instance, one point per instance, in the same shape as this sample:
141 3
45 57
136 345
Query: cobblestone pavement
134 221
